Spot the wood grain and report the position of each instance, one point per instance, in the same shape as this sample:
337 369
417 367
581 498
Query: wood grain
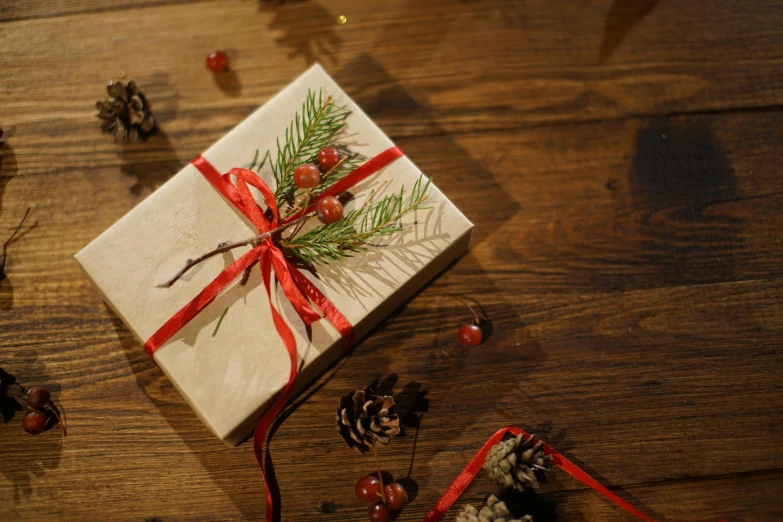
621 162
537 64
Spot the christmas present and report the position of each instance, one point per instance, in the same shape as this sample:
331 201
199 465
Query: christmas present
239 274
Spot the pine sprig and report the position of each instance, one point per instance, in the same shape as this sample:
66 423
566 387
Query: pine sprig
311 130
351 234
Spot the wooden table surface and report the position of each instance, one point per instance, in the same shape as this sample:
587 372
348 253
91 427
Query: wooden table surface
621 160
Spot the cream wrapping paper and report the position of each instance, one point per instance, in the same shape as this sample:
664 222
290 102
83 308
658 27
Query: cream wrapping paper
229 379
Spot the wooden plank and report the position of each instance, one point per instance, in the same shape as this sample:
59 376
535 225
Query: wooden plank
630 268
596 207
675 397
620 205
528 68
11 10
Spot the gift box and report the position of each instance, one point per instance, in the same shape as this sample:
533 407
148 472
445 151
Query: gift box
232 374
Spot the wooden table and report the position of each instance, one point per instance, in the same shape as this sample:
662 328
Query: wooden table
621 161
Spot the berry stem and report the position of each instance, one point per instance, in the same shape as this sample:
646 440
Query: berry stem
477 317
380 475
8 242
59 416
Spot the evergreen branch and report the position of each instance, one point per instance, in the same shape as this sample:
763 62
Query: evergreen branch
311 130
351 234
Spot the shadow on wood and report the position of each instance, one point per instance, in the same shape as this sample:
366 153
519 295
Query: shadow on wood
7 169
683 179
308 30
472 188
35 454
152 163
622 17
228 81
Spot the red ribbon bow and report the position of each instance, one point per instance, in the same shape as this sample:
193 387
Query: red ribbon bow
298 290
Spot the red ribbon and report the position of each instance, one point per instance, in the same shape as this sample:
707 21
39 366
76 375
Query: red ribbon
298 290
473 468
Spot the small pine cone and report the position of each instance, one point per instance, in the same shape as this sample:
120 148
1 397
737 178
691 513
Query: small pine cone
126 114
365 420
495 510
513 462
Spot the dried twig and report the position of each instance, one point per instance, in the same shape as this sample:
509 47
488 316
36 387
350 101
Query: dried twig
8 242
225 247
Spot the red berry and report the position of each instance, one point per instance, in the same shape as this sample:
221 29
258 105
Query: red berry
38 398
329 209
328 158
217 61
469 334
35 421
368 489
396 496
307 175
379 512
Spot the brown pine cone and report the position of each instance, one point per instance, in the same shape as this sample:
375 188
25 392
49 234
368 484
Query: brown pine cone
365 420
495 510
126 114
513 462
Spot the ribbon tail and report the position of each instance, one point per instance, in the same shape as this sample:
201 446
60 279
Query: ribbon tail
265 424
330 312
290 289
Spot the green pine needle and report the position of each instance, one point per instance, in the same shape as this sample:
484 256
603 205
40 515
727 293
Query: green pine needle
214 332
351 234
312 129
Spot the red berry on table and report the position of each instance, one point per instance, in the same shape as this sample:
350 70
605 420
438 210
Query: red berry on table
396 496
217 61
380 512
470 334
307 175
328 158
35 421
38 398
368 489
329 209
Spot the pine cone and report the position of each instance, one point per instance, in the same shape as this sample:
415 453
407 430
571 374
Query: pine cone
494 511
513 462
365 420
126 114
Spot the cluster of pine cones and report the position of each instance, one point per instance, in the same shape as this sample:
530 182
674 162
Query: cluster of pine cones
512 463
495 510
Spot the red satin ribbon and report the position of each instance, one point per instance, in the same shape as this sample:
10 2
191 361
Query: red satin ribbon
473 468
298 290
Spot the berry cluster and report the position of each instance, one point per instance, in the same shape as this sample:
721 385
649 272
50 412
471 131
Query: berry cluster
308 176
41 413
384 500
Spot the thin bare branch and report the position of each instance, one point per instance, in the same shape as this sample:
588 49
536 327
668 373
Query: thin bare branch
225 247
